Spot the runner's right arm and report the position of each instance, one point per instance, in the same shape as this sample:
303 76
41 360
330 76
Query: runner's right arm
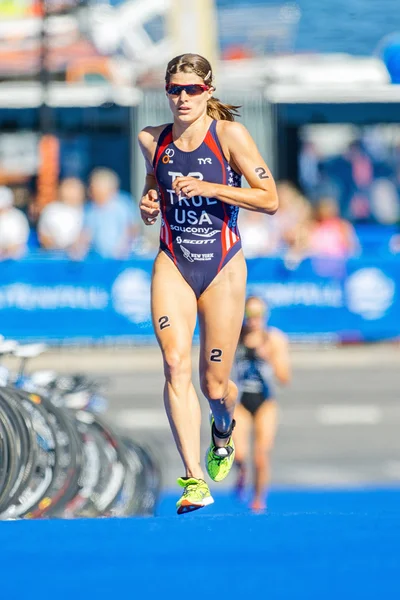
280 356
149 205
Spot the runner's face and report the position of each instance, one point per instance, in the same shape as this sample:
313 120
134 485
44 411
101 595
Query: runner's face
255 315
187 108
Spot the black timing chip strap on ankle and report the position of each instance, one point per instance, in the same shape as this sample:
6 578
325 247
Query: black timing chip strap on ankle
223 436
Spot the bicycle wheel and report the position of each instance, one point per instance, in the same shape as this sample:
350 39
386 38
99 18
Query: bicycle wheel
12 465
128 501
83 503
45 467
24 444
113 465
65 482
3 454
148 478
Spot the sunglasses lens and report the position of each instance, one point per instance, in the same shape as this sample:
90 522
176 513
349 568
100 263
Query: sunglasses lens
194 90
191 90
174 90
253 313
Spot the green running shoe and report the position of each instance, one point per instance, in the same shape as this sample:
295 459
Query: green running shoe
196 494
219 461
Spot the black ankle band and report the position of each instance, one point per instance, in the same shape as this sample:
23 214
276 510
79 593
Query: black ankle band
226 435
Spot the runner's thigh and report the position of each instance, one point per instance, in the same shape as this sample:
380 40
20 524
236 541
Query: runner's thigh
173 309
265 426
221 311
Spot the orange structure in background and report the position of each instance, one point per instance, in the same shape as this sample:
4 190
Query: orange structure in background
237 53
36 9
88 67
49 170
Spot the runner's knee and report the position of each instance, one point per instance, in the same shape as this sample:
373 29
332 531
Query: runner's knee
261 458
214 388
177 364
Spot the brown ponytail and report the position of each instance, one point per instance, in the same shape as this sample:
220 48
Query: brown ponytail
218 110
194 63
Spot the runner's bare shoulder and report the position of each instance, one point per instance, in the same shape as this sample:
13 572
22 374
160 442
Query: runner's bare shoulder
148 137
277 336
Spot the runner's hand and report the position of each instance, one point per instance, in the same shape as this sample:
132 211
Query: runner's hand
191 186
149 207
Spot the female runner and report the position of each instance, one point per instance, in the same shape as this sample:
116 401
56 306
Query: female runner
193 176
262 356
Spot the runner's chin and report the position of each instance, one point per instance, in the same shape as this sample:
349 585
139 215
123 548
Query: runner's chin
186 115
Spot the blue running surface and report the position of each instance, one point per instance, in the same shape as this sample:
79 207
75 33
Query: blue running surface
324 545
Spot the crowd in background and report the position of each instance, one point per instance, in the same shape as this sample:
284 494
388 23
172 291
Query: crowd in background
362 173
364 179
349 204
100 219
299 229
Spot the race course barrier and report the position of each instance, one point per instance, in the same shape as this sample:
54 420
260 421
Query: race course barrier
100 301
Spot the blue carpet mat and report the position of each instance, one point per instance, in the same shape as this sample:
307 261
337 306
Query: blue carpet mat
322 545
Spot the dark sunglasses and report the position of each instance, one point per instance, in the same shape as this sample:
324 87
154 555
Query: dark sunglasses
249 314
192 89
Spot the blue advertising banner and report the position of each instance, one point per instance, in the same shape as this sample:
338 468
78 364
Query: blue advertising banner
62 301
324 299
67 301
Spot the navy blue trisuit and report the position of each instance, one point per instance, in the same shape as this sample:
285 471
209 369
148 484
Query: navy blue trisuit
254 378
200 235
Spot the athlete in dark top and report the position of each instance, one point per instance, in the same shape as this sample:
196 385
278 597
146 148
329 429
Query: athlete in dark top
199 235
261 357
194 166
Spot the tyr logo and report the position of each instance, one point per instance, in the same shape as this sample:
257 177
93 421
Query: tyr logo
203 161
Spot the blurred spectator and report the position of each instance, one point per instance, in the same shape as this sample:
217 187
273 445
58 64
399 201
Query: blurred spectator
285 232
22 198
364 177
330 235
394 244
309 173
60 223
255 234
14 227
110 226
290 224
294 208
385 205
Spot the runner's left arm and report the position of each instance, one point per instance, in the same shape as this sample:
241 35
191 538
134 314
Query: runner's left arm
244 155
